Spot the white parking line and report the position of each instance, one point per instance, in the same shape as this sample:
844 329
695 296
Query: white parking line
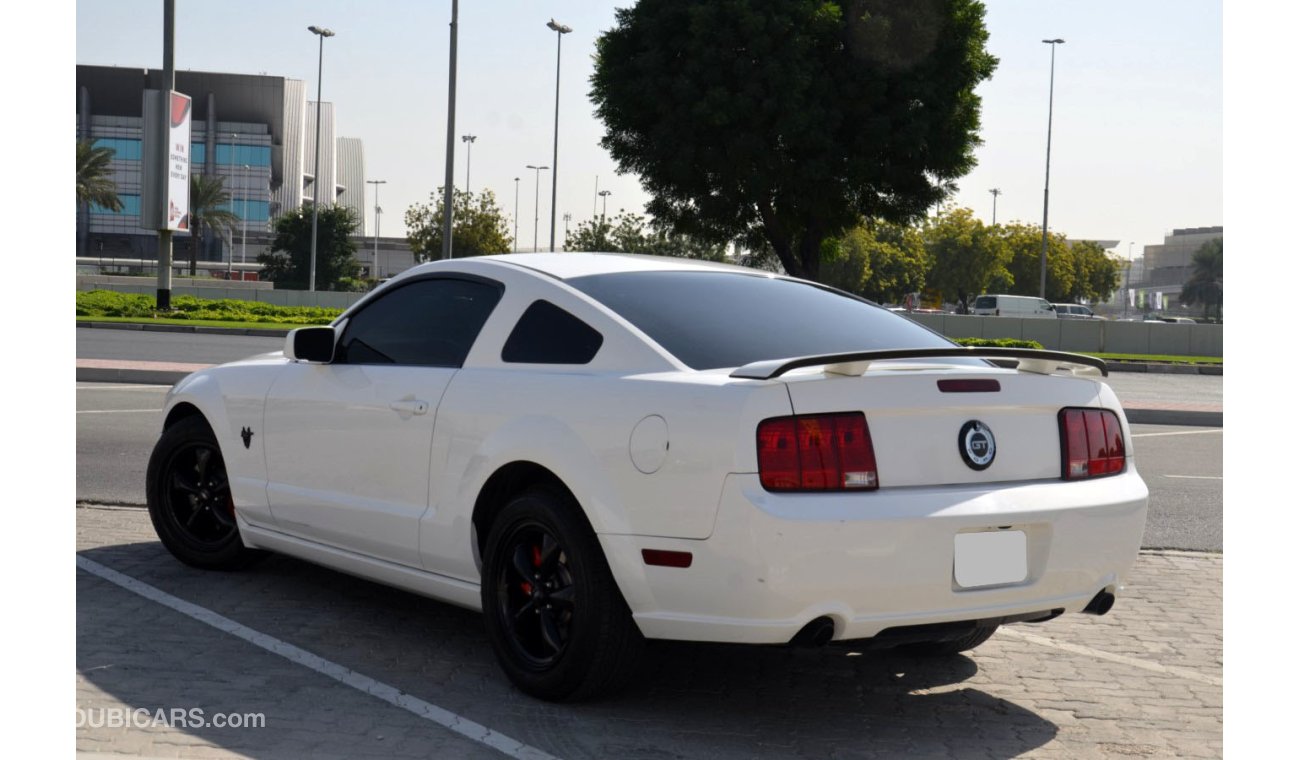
114 411
1155 667
1178 432
1197 477
427 710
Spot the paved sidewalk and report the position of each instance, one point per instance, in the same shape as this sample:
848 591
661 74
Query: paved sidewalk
1142 681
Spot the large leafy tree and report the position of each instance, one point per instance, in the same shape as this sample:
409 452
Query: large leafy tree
965 256
1024 269
93 182
631 233
1096 275
898 262
478 226
288 263
209 212
1206 284
792 120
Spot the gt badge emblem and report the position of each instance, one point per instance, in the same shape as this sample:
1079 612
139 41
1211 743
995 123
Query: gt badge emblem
975 443
247 435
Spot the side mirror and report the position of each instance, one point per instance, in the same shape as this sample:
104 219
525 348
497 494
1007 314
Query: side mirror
310 344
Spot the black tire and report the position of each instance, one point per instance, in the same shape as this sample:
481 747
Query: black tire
188 493
967 642
557 622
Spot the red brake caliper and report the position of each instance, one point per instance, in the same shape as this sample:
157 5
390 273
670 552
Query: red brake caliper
537 562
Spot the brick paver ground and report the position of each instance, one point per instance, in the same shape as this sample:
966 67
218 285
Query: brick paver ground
1142 681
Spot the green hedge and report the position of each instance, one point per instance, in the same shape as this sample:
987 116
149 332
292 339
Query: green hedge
997 342
106 303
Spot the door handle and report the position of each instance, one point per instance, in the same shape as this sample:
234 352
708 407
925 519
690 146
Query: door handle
409 406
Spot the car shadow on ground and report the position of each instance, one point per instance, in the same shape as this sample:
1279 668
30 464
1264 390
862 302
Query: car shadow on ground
687 699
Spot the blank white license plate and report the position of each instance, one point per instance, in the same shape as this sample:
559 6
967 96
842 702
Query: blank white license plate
990 558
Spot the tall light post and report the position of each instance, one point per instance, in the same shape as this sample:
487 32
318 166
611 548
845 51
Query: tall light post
322 33
448 187
516 215
567 218
1128 278
374 273
604 203
469 150
560 31
995 192
594 193
1051 90
537 184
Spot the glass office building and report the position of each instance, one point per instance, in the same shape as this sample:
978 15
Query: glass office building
255 132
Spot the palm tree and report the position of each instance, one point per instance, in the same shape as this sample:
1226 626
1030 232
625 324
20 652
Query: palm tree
208 209
93 183
1206 284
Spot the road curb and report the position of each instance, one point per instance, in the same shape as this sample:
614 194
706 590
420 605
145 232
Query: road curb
1166 369
124 375
259 332
1194 418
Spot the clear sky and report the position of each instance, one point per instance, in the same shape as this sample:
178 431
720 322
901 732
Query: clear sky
1137 146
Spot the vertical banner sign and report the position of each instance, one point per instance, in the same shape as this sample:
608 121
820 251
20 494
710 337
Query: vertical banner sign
165 189
178 163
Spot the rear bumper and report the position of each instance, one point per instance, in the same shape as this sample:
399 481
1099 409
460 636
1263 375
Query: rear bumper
878 560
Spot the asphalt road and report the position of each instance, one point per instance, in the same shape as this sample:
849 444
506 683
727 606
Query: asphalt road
117 426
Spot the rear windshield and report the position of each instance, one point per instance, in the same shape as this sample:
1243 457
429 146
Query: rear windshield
723 319
986 302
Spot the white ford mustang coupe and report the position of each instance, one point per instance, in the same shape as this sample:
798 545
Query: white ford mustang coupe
597 449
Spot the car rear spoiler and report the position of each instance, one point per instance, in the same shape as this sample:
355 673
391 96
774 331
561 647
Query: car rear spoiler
1026 360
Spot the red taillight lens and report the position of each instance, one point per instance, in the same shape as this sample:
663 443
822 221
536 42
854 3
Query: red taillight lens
816 452
1092 443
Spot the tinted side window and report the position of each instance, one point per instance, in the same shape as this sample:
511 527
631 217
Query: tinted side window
986 302
547 334
431 323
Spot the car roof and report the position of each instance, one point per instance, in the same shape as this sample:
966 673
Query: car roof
566 265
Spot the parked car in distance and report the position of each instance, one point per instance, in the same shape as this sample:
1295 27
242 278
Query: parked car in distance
1074 311
1169 320
1013 306
594 450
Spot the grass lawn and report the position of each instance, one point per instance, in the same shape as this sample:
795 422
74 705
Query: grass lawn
1160 358
193 323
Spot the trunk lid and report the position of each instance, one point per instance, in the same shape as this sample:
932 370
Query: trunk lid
920 432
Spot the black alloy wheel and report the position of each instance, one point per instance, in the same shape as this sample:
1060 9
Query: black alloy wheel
197 495
535 595
558 624
190 503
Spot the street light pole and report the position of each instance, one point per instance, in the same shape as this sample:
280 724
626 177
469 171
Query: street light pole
604 203
567 218
516 215
1051 91
374 274
996 192
594 193
1128 278
448 188
469 151
560 31
322 33
537 184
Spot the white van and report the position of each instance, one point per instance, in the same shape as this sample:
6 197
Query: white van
1013 306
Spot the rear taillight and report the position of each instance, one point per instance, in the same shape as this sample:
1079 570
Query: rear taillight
1092 443
816 452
